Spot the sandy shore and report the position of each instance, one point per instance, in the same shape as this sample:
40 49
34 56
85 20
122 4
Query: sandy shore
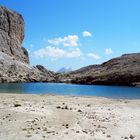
48 117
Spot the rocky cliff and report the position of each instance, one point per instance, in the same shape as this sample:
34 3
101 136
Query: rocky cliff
12 35
14 59
124 70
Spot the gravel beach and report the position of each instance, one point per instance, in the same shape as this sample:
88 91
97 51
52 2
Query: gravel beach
54 117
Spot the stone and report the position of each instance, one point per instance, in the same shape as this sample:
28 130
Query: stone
132 136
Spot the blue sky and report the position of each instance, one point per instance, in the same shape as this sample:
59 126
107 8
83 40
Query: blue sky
77 33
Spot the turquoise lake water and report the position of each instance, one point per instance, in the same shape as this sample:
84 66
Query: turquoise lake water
72 89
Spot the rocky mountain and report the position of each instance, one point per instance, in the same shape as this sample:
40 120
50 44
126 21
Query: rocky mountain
14 59
64 70
124 70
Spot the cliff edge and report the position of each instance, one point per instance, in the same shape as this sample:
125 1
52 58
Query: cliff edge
14 59
12 34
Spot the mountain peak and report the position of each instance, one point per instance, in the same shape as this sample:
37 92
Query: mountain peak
64 70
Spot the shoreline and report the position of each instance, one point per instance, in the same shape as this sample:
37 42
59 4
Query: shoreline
64 95
61 117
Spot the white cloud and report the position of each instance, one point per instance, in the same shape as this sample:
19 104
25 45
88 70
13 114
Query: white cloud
86 34
74 53
55 52
108 51
94 56
70 40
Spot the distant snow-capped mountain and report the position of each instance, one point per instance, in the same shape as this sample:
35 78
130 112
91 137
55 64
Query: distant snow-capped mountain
64 70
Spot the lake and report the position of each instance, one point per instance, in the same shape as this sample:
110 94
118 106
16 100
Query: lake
72 89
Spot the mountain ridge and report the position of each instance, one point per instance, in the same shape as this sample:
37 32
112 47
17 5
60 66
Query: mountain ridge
15 67
123 70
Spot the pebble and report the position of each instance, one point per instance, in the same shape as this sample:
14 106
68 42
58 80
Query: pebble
66 107
108 136
125 137
28 135
79 110
58 107
131 136
17 105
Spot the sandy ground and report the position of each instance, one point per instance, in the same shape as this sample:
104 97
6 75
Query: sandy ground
51 117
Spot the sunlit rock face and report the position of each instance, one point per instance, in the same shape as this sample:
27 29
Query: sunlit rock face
14 60
12 34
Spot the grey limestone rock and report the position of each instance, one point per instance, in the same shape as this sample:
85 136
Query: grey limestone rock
12 34
14 59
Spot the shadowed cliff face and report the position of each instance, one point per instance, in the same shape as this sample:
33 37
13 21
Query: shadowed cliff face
124 70
12 34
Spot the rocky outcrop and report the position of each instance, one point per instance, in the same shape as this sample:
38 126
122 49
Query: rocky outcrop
12 35
14 59
12 70
47 74
124 70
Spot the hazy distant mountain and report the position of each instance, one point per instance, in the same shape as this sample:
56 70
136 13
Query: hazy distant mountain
64 70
